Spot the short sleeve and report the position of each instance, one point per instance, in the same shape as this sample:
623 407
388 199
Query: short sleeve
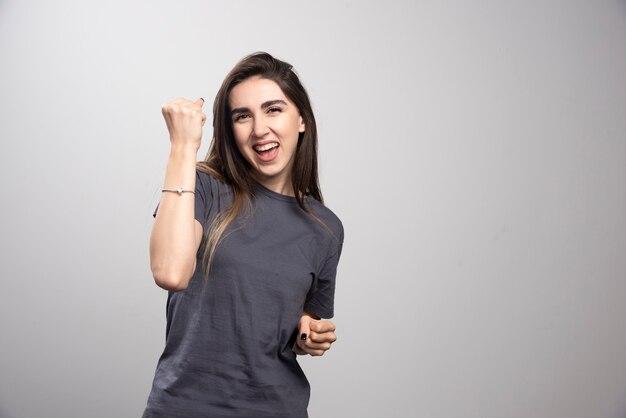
321 298
202 198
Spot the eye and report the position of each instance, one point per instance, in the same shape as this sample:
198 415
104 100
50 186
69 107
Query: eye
241 116
274 110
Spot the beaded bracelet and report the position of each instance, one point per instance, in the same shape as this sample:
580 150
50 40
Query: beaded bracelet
178 190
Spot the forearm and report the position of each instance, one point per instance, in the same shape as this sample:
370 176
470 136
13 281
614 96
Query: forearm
173 243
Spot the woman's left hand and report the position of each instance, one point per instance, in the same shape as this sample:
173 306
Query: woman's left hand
315 336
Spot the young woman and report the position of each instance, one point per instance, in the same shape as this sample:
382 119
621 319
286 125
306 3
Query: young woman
246 249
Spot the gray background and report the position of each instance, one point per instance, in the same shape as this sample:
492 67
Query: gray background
475 152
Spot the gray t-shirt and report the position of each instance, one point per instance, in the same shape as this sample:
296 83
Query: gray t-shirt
229 338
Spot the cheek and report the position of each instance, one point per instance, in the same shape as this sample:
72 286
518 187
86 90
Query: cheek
293 129
240 138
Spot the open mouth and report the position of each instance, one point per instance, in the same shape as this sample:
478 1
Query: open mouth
265 148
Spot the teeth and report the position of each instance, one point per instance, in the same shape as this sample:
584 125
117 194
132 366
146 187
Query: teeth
266 146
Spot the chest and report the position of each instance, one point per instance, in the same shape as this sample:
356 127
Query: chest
271 254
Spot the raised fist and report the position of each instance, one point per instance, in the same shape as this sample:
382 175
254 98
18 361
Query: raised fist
184 120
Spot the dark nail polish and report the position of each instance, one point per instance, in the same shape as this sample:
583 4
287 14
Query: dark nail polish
303 336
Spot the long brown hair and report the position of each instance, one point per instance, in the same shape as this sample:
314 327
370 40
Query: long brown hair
225 162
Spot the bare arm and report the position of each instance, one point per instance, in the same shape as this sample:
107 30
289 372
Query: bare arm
176 234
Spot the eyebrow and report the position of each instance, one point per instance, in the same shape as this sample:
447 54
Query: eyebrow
264 105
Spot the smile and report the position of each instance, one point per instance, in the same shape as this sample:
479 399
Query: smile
265 147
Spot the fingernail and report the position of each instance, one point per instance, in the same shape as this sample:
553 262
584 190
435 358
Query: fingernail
201 98
303 336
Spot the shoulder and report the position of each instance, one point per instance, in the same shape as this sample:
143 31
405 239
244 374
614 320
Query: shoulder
206 175
210 181
328 218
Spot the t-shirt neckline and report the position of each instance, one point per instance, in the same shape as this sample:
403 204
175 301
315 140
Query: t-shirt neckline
273 194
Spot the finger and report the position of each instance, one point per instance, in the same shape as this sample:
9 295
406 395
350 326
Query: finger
326 337
322 326
304 330
313 351
199 102
173 104
312 346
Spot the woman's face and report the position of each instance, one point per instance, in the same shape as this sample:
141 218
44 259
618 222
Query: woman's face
266 125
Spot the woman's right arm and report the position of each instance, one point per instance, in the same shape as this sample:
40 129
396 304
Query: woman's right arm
176 234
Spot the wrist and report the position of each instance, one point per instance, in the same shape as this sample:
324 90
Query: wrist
184 152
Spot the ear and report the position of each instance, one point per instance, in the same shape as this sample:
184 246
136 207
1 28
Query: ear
301 125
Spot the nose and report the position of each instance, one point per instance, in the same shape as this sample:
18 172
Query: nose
260 127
